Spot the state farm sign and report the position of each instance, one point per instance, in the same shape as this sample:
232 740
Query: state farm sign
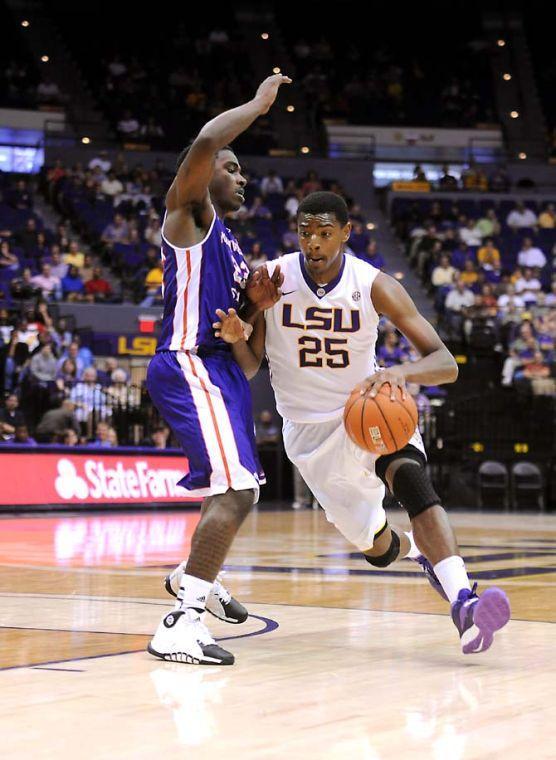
48 478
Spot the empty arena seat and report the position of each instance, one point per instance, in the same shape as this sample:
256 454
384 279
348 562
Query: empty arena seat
493 484
527 486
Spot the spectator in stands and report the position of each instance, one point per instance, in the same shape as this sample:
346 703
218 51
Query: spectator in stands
152 130
104 376
372 256
266 430
530 255
447 181
89 399
86 271
101 161
119 393
488 225
43 365
79 361
55 422
471 234
311 184
153 231
457 300
111 185
535 376
8 260
290 238
153 283
547 218
66 374
69 438
510 299
98 289
74 257
488 257
292 204
128 126
102 438
272 183
444 275
551 297
469 275
159 438
390 353
22 437
48 92
58 267
10 416
27 238
20 196
117 231
73 288
528 286
48 285
499 181
258 210
257 257
521 216
419 174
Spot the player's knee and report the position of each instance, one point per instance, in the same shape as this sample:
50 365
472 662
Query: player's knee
412 487
390 555
231 507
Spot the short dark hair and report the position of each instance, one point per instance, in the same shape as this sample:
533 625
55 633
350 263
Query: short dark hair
323 202
185 151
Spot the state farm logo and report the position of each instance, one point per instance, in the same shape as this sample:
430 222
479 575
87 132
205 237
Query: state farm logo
135 480
68 484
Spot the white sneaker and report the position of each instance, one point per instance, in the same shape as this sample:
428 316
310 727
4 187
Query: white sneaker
220 602
182 637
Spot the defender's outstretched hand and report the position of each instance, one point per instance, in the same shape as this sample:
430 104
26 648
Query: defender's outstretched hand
263 290
268 90
230 327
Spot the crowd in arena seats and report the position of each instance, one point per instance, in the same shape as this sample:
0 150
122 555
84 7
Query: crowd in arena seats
56 392
124 227
473 178
491 270
397 82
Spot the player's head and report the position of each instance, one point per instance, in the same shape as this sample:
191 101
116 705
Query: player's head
323 227
226 187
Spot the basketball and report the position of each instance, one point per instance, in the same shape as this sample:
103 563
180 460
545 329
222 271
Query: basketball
380 425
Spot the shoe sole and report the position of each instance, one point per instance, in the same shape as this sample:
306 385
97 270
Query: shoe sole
231 621
491 613
184 658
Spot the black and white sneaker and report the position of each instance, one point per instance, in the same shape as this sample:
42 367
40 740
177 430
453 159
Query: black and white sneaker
220 602
182 637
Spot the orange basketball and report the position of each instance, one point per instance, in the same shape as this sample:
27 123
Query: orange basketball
379 425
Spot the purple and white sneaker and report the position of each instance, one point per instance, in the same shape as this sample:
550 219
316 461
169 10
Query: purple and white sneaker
478 617
431 575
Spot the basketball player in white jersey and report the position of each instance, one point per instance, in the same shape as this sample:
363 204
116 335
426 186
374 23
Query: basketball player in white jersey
320 342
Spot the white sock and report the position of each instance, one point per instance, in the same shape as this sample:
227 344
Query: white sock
452 575
413 552
193 593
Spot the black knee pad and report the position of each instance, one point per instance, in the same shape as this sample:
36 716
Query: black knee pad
413 489
391 554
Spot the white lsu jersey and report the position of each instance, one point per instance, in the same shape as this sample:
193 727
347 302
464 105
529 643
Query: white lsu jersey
320 339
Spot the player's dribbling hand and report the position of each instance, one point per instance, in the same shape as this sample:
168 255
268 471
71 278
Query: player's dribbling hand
393 375
230 326
263 290
268 90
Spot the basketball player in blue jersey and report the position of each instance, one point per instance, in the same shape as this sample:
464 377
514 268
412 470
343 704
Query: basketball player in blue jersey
193 379
320 342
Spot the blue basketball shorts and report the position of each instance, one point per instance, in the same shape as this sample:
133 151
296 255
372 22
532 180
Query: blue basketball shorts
207 404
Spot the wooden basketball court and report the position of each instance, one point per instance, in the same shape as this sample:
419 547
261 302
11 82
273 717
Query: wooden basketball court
337 660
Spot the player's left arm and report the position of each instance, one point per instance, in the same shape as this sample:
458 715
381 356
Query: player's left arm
436 365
